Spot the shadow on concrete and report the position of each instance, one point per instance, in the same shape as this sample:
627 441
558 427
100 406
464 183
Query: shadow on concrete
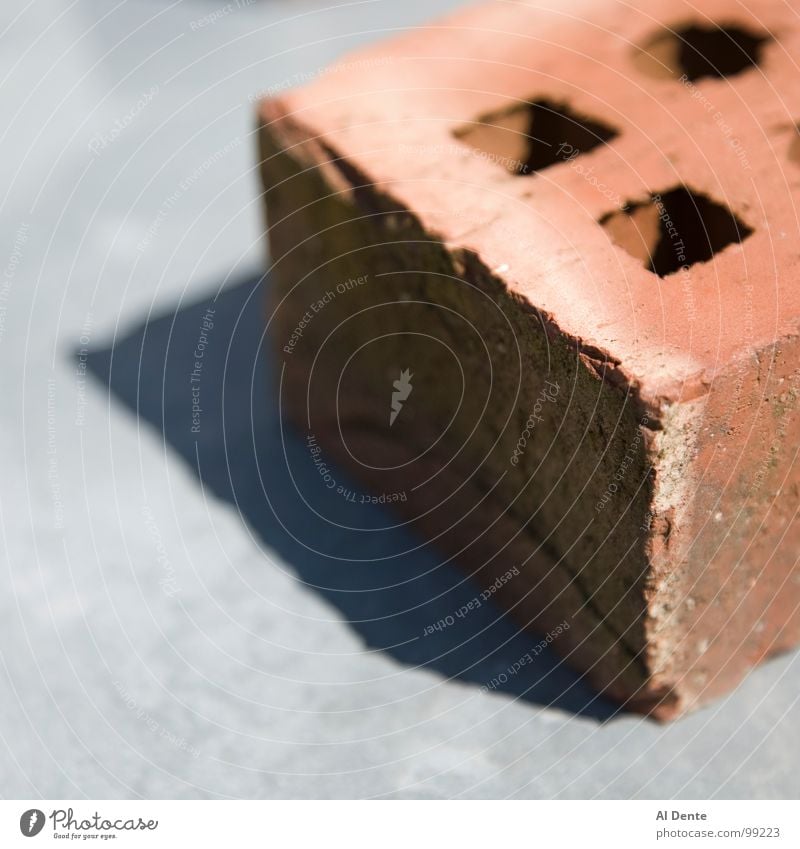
385 581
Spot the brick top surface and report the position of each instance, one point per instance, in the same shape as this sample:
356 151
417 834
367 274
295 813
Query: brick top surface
394 111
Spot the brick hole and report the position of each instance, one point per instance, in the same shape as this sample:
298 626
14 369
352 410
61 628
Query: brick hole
532 136
700 51
674 230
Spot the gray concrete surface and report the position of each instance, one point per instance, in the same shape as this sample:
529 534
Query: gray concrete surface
173 622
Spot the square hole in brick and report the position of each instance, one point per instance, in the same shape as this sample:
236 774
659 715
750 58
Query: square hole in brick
674 230
700 50
532 136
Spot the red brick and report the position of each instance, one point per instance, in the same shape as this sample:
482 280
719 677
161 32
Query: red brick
680 387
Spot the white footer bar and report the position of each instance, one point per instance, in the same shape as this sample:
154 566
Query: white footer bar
400 824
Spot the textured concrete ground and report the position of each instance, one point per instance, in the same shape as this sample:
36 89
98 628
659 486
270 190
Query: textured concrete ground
174 620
